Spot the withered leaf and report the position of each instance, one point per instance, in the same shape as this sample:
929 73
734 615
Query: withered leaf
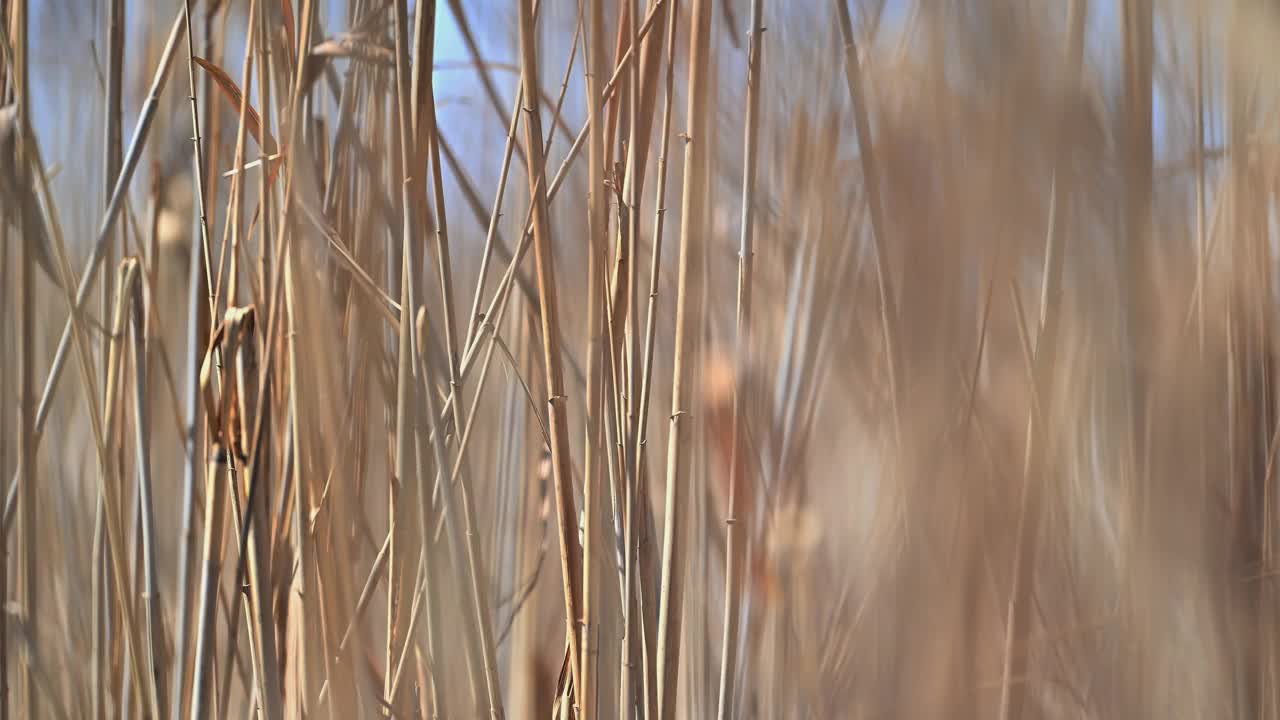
252 121
230 90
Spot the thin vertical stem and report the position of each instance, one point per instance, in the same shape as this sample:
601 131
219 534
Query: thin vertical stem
197 154
154 614
111 169
132 156
567 516
265 68
597 234
426 127
404 469
211 570
670 600
197 334
26 423
671 584
735 551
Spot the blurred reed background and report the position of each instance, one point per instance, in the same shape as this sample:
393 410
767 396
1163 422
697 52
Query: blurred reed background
642 359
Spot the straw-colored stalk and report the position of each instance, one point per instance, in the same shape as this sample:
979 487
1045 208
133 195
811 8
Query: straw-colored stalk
697 145
562 474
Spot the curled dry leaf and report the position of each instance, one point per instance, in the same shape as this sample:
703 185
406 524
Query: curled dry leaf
230 90
223 403
252 121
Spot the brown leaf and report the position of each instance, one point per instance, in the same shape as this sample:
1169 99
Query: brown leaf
232 92
253 123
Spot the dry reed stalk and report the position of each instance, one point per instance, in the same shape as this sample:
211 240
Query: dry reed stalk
260 550
697 142
492 231
597 232
660 213
621 356
214 41
562 473
28 162
239 397
202 307
6 275
427 127
211 569
112 491
111 144
312 424
282 265
153 608
235 221
190 426
197 153
26 475
647 74
296 686
735 550
132 156
404 472
111 167
220 374
266 96
552 189
255 555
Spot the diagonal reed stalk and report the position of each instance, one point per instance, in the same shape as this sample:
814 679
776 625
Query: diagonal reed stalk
131 159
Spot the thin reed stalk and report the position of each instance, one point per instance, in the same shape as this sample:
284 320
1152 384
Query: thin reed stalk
26 471
406 475
562 473
132 156
735 547
696 149
593 453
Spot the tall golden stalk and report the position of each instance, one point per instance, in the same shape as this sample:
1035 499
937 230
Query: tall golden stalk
562 472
